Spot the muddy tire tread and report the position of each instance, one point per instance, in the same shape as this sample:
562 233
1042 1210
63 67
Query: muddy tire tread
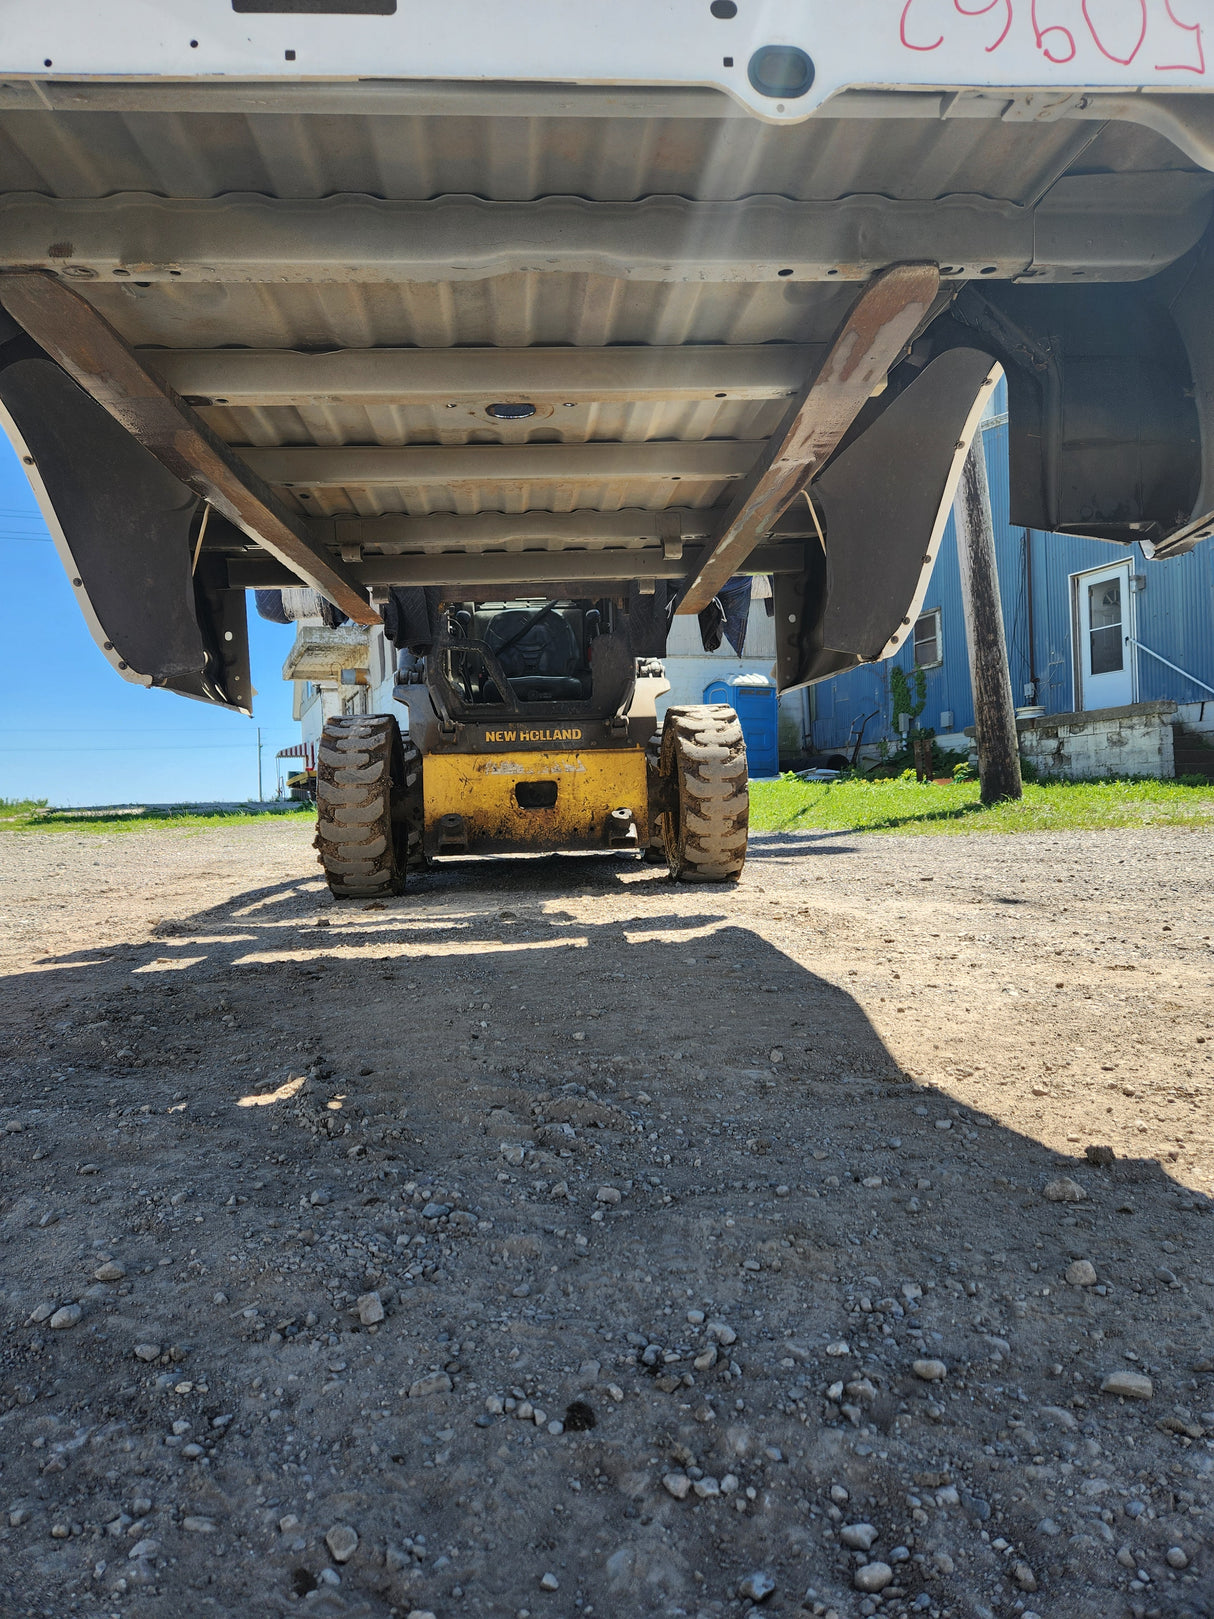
704 749
365 772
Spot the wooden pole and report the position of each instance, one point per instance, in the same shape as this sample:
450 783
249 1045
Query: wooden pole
990 680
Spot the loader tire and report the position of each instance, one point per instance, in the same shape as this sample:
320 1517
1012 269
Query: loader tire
368 801
705 821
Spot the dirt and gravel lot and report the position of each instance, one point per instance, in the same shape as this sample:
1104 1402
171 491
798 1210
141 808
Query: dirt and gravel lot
555 1241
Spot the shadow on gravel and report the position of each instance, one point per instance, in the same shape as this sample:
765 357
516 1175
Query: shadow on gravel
779 845
539 1143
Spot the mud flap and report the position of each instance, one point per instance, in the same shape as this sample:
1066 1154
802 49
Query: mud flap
124 528
884 501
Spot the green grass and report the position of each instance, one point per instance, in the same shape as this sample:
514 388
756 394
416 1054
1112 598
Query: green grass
14 808
858 805
28 817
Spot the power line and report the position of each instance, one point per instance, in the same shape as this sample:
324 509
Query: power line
124 730
180 747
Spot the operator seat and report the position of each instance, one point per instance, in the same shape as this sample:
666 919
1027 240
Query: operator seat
543 663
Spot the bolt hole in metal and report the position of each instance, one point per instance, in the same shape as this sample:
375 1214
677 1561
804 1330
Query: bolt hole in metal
516 412
723 10
783 272
535 795
780 70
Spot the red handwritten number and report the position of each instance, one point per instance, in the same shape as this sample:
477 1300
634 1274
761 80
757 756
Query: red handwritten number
981 11
1057 44
1042 34
910 44
1189 28
1122 61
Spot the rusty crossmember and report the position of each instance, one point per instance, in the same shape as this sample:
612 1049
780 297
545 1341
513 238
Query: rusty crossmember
879 325
97 358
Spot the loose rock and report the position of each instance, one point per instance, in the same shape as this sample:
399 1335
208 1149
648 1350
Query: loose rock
1129 1385
370 1309
757 1586
873 1577
342 1541
67 1316
1064 1190
931 1371
859 1537
1081 1274
436 1383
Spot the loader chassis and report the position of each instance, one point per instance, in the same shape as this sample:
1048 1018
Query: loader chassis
531 727
597 307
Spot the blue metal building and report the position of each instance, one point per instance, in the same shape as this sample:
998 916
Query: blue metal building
1089 625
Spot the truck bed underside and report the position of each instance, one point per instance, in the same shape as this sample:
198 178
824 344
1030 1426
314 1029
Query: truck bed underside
516 340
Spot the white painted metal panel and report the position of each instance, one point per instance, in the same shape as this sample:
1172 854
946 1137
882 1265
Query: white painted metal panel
1050 44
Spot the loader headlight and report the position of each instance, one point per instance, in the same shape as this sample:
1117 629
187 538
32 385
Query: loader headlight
780 71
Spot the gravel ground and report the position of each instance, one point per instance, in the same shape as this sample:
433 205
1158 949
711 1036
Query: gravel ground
555 1241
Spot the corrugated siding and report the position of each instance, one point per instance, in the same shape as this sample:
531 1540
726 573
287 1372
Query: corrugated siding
1176 619
1174 616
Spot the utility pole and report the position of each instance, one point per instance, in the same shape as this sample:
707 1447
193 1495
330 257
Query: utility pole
259 764
994 713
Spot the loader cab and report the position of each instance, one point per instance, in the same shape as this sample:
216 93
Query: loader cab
533 657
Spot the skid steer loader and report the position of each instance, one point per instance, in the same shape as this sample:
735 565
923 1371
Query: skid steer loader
530 728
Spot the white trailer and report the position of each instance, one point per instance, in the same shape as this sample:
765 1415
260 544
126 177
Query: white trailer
612 303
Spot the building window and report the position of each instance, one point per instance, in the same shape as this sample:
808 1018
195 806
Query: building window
928 649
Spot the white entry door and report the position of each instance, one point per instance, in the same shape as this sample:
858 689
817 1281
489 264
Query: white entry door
1102 618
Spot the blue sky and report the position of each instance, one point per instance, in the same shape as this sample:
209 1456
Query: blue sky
74 732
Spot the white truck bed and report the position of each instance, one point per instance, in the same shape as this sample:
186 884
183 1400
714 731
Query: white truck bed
483 297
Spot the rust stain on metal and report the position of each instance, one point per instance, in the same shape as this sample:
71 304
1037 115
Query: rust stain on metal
880 324
96 357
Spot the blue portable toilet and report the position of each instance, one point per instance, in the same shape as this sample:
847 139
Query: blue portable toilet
755 701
